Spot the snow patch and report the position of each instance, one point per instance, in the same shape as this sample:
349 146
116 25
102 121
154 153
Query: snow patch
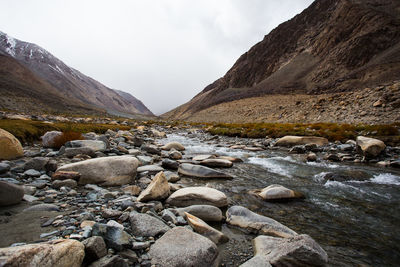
10 47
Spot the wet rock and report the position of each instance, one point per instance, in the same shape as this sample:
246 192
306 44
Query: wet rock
158 189
68 182
150 168
175 155
170 164
301 140
114 237
344 176
369 146
95 145
95 248
207 213
10 194
255 223
231 159
299 250
51 139
57 253
42 207
66 175
277 192
109 171
180 247
38 163
297 150
197 196
4 167
173 145
151 149
333 157
71 152
201 171
199 226
218 163
110 261
31 173
311 157
146 225
395 164
10 147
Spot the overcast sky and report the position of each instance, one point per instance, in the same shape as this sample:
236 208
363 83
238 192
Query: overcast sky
161 51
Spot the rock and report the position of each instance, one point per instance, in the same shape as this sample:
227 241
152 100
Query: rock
111 213
66 175
301 140
145 160
219 163
151 149
169 216
51 139
348 175
56 253
203 157
5 167
140 245
311 156
370 147
158 189
110 261
132 190
130 255
10 147
170 164
95 145
175 155
150 168
377 103
205 230
32 173
278 192
256 261
173 145
180 247
68 182
95 248
207 213
114 237
395 164
107 171
146 225
38 164
231 159
71 152
42 207
299 250
10 194
197 196
255 223
172 177
201 171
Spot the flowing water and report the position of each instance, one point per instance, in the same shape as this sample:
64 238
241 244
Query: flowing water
357 222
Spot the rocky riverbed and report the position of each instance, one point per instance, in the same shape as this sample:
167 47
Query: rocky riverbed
165 196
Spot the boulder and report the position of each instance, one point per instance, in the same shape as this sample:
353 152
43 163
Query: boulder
231 159
207 213
50 139
114 236
219 163
197 196
56 253
201 171
255 223
146 225
180 247
158 189
10 147
108 171
95 248
301 140
277 192
10 194
95 145
370 147
199 226
300 250
173 145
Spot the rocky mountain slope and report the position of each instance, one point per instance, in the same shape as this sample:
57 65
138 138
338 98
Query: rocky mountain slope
332 47
66 88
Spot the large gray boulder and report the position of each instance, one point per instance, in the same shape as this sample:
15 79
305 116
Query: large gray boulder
299 250
107 171
290 140
180 247
146 225
370 147
197 195
56 253
95 145
201 171
10 194
255 223
207 213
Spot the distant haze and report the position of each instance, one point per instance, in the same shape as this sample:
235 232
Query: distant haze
161 51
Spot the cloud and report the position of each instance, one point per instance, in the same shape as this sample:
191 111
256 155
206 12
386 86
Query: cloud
161 51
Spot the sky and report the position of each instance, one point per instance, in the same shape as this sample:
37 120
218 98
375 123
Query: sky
163 52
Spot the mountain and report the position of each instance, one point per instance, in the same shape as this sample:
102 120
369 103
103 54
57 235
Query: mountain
334 47
43 82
